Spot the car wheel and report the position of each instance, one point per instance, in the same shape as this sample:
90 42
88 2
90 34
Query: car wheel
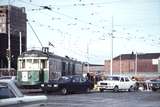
64 91
101 90
88 90
131 89
45 91
116 89
154 89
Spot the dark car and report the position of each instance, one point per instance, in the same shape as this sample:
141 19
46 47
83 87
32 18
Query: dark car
155 84
68 84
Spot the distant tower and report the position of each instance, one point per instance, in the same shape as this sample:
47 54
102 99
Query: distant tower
16 17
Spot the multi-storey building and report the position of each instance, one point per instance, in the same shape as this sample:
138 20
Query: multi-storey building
12 21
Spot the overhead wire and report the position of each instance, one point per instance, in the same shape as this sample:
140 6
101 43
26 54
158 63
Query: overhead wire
49 8
35 33
77 19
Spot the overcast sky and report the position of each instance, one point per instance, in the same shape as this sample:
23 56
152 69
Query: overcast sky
75 26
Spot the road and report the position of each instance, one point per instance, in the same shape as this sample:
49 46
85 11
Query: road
105 99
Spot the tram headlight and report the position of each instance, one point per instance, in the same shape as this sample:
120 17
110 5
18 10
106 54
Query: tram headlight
42 85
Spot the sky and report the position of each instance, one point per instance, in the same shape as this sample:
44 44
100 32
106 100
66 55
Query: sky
81 29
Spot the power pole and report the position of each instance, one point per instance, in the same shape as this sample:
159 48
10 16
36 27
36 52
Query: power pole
9 39
20 43
111 64
88 58
136 64
120 66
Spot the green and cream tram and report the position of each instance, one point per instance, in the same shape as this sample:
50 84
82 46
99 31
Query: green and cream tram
36 67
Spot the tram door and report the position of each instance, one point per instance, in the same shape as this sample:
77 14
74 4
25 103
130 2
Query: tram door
41 73
73 70
63 68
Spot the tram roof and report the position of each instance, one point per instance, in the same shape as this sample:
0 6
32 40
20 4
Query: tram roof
39 53
33 53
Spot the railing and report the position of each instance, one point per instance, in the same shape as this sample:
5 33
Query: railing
6 72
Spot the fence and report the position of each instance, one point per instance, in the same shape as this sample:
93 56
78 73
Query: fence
7 72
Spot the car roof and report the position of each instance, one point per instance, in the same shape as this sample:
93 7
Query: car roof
7 77
117 76
72 76
5 81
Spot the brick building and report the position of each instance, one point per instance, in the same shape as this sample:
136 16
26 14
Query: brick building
16 17
127 64
159 64
95 69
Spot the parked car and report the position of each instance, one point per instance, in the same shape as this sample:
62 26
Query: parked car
68 84
11 96
116 83
154 84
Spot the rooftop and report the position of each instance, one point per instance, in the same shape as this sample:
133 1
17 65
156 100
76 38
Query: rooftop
139 56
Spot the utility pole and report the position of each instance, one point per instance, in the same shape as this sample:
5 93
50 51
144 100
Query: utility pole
111 64
20 43
9 39
136 64
120 66
88 58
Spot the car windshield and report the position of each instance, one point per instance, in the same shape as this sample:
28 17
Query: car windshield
5 92
112 78
64 79
12 86
155 80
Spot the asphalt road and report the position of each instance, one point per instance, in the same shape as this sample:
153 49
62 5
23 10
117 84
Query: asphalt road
105 99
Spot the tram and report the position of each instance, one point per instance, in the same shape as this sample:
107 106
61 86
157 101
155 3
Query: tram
39 66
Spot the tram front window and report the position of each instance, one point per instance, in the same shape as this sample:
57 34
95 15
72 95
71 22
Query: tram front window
23 63
29 63
35 63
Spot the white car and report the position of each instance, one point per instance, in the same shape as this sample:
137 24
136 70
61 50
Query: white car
13 78
116 83
10 95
